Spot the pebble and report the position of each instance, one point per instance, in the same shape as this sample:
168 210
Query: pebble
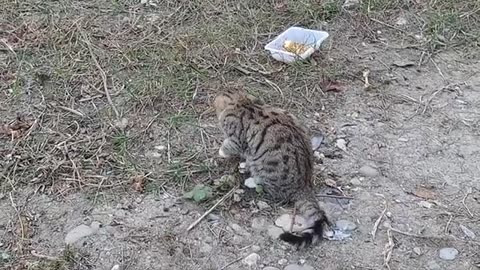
285 222
355 181
252 259
351 4
401 21
270 268
274 231
259 224
213 217
448 253
341 144
469 233
433 265
116 267
417 250
236 228
160 147
316 142
81 231
255 248
250 182
298 267
425 204
263 205
282 261
206 248
345 225
368 171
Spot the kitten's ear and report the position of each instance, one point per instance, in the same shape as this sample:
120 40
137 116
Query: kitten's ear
255 100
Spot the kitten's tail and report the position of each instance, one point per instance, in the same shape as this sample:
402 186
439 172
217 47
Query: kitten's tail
309 209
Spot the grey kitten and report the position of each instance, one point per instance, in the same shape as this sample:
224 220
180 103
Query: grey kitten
278 156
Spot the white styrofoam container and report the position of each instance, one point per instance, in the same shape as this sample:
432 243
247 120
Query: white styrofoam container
305 36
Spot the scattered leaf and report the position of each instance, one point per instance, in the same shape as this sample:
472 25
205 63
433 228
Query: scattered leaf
341 144
199 193
330 182
16 129
469 233
138 183
317 141
424 193
328 85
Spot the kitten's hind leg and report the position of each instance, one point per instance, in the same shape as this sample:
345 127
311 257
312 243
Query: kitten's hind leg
229 148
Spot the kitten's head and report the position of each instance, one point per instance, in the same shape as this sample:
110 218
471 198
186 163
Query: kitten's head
232 98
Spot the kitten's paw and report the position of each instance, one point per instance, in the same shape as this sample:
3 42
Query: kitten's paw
250 182
221 153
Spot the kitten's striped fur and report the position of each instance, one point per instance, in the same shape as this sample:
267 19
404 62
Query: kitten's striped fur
278 155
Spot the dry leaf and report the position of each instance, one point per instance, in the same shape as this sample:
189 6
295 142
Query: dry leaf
330 182
329 85
16 129
138 183
424 193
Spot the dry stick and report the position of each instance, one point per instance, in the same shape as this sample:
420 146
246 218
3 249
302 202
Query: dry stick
230 263
334 196
388 250
211 208
465 205
22 228
103 74
46 257
377 222
72 111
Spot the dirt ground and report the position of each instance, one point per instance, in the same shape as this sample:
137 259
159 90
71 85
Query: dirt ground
104 118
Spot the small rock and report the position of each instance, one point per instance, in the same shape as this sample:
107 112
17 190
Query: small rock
270 268
116 267
469 233
81 231
341 144
417 250
263 205
259 224
282 261
345 225
298 267
255 248
351 4
274 231
433 265
237 228
317 141
355 181
122 123
160 147
368 171
250 182
252 259
285 222
206 248
425 204
448 254
213 217
401 21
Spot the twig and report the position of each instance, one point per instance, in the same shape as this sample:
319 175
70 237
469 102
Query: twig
334 196
377 222
22 228
103 74
438 69
4 42
448 223
72 111
367 85
46 257
211 208
387 255
230 263
276 87
465 205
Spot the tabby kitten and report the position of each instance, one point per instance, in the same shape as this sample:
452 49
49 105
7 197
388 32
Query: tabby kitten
277 154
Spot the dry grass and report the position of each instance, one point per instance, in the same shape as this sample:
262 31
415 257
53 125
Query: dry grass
163 62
